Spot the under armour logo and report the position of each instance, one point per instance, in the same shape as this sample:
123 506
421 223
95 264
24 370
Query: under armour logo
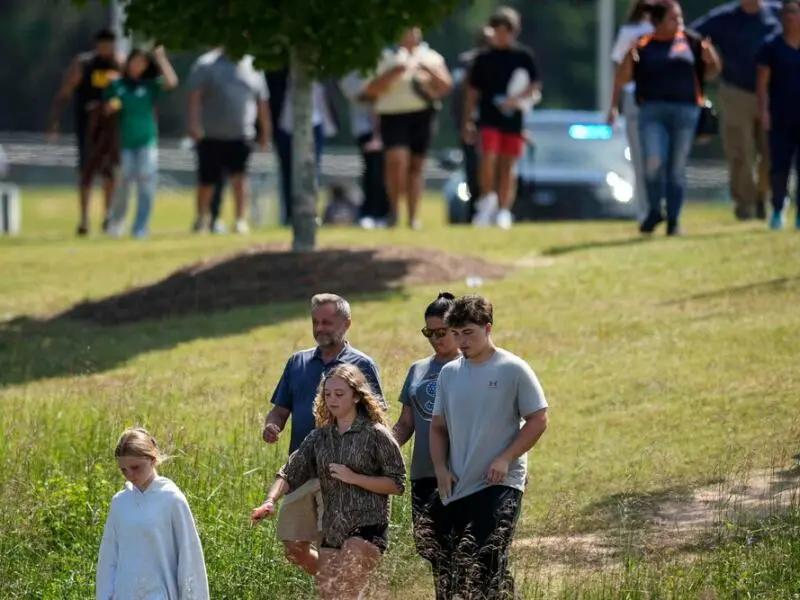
493 384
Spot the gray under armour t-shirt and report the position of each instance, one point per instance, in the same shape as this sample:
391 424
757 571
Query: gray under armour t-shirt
484 406
419 392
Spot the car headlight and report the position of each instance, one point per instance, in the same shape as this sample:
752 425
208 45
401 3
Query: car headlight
462 192
621 190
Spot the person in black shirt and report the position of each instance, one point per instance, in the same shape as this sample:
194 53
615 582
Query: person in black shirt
98 147
502 83
667 67
778 89
460 79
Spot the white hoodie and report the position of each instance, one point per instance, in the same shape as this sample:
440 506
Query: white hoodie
150 548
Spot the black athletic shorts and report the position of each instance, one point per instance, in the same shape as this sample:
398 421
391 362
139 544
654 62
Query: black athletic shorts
412 130
377 535
218 157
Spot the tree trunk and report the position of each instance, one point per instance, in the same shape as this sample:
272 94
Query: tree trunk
304 170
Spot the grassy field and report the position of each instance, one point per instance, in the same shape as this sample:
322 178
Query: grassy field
669 364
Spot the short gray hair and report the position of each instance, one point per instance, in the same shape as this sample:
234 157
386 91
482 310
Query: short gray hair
342 305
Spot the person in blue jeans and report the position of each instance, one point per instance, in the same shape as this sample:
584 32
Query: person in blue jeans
668 68
778 88
134 97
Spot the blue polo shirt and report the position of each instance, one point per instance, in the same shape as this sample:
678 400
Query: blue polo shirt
784 83
738 36
298 385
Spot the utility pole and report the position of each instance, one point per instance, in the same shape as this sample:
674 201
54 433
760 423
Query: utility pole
605 43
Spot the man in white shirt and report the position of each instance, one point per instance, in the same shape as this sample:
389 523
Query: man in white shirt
490 410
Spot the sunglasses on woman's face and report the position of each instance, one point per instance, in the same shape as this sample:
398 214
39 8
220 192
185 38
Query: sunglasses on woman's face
438 333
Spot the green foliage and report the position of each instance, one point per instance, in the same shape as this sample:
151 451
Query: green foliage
332 37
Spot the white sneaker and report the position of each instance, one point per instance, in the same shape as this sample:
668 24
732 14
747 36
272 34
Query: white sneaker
241 227
116 230
504 219
367 223
485 209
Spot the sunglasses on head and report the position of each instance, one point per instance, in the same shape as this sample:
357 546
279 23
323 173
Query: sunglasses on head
438 333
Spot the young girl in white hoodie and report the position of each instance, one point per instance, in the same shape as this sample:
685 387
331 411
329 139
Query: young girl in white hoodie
150 548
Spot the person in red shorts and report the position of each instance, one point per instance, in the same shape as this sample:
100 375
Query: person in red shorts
503 81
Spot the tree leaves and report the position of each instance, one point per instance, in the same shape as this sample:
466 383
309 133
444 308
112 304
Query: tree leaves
333 37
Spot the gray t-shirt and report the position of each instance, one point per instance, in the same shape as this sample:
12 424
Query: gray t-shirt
484 406
419 392
230 95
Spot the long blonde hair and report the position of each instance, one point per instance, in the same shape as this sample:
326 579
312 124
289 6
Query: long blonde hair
367 403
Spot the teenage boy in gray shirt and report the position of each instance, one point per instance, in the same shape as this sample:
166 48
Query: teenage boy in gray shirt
490 410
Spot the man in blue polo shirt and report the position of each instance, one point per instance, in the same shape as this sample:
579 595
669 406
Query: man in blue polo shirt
301 513
738 29
779 103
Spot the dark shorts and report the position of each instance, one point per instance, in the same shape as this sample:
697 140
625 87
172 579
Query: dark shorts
377 535
423 494
218 157
409 130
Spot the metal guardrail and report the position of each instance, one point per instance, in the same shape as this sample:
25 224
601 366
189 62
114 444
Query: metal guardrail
34 150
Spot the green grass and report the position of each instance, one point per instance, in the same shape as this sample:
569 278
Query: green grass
667 363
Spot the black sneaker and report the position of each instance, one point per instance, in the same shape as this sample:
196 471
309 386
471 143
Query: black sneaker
82 231
651 221
673 229
742 214
761 210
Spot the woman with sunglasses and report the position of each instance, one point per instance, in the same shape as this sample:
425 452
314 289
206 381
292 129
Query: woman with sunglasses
418 396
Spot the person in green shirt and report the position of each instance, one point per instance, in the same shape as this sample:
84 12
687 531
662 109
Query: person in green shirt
134 97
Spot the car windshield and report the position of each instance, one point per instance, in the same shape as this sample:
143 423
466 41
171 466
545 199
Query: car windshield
587 146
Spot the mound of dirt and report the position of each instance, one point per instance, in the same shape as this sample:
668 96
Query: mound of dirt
268 274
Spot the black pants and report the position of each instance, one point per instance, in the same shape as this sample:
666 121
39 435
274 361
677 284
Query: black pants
376 202
471 165
474 536
784 148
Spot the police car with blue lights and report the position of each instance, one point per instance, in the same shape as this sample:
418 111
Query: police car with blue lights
575 167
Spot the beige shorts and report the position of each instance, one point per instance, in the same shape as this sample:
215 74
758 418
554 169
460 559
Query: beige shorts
300 517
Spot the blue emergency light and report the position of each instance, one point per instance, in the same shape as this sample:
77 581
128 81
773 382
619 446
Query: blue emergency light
594 131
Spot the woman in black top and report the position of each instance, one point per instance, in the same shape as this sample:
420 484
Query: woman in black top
667 67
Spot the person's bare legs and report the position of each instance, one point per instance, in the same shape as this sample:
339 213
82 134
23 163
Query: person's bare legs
84 198
356 563
486 205
303 555
204 195
328 574
397 161
505 181
488 174
239 187
415 186
505 187
109 187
